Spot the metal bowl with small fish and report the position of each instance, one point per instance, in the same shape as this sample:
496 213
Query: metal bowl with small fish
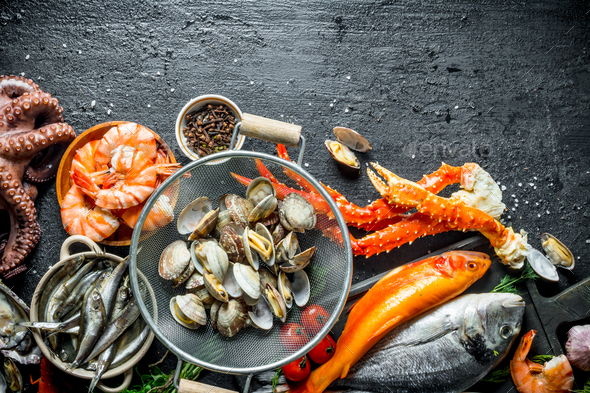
39 302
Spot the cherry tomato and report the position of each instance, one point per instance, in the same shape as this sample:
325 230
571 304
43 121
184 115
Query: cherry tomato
298 370
293 336
323 351
314 318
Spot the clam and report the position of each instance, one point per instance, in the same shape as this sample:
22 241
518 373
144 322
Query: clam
261 316
249 280
196 280
174 260
185 275
297 214
287 247
345 158
231 317
239 208
258 189
266 276
251 255
299 261
14 379
232 243
263 209
188 310
213 313
301 288
275 302
198 218
271 219
223 219
352 139
215 287
203 294
259 242
230 284
278 233
285 289
217 260
557 252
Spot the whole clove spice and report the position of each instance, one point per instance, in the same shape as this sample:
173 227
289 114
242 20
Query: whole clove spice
209 129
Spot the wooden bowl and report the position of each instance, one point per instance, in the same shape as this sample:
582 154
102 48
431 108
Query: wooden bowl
122 237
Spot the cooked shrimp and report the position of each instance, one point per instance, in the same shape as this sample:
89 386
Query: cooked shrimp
84 158
130 180
79 218
554 376
161 214
130 134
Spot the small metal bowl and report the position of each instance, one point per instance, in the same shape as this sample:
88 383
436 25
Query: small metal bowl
196 104
125 368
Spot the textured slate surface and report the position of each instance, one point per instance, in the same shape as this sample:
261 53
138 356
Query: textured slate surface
504 84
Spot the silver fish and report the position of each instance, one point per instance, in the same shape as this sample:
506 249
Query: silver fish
121 300
93 320
115 329
67 351
109 288
103 363
64 273
447 349
74 299
56 327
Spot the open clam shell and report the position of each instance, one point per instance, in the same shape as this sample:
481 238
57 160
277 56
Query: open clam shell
301 288
258 189
263 209
287 248
231 317
196 280
352 139
217 260
261 316
264 245
278 233
266 276
285 289
215 287
275 302
344 157
251 255
198 218
203 294
249 280
232 242
174 260
188 271
239 208
230 284
297 213
188 310
557 252
213 313
299 261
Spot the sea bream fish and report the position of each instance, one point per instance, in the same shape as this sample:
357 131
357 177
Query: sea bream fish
447 349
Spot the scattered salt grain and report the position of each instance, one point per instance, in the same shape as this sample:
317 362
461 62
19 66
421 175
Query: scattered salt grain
306 164
536 203
172 90
520 184
79 52
516 205
513 196
149 106
346 110
309 104
509 217
65 46
535 187
108 112
516 200
531 184
587 241
22 74
348 77
526 202
112 105
550 184
235 60
513 209
413 156
503 188
158 73
251 82
456 106
535 177
547 211
27 57
93 103
331 105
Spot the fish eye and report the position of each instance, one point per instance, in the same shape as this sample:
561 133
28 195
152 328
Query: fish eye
506 332
471 266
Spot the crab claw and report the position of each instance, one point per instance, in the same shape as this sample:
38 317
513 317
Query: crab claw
396 190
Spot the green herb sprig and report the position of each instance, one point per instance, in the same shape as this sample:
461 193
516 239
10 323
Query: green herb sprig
585 389
497 376
156 381
275 379
541 359
509 282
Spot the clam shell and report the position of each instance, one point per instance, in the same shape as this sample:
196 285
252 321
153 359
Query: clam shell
352 139
258 189
232 243
284 288
217 260
206 225
230 284
272 219
268 257
251 255
223 219
261 316
266 276
190 269
215 287
213 313
248 279
275 302
287 248
239 208
195 280
557 252
344 157
263 209
174 260
198 218
299 261
297 214
301 288
198 253
278 233
231 317
191 310
203 294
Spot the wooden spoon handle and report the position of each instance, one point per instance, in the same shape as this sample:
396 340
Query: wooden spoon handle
270 130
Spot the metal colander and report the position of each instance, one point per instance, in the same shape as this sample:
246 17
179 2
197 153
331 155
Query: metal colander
251 350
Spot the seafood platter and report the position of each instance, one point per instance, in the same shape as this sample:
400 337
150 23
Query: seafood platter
241 262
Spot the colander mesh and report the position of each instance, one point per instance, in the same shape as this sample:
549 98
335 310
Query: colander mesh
251 347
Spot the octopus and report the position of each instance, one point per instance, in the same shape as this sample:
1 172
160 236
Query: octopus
33 138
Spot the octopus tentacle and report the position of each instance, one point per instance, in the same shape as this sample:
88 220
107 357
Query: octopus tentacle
13 86
24 112
25 144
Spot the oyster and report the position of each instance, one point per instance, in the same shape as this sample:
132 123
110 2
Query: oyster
301 288
557 252
215 287
198 218
259 189
231 317
276 302
261 316
249 280
239 208
285 289
345 158
297 214
174 260
352 139
232 243
188 310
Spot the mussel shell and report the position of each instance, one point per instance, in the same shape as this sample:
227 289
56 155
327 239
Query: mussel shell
195 280
284 288
239 208
232 243
275 302
261 315
557 252
301 288
258 189
231 317
251 255
185 275
344 157
248 279
174 260
263 209
190 217
215 287
297 213
352 139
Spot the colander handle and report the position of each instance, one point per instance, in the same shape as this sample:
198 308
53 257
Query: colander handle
270 130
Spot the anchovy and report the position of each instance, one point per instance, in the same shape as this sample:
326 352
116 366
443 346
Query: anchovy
115 329
74 299
93 319
103 363
67 352
109 288
121 300
64 273
56 327
445 350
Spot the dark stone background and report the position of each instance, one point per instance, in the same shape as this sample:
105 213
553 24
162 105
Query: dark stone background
501 83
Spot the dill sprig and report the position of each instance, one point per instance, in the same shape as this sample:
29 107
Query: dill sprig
497 376
275 379
541 359
509 282
585 389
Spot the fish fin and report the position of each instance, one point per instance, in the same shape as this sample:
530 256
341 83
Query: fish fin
385 328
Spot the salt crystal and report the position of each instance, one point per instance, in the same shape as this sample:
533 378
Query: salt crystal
535 187
509 217
172 90
112 105
65 46
235 60
27 57
158 73
149 106
535 177
513 196
108 89
516 205
22 74
536 203
251 82
366 164
309 104
331 105
520 184
79 52
346 110
109 112
413 156
531 184
513 209
503 188
550 184
93 103
526 202
306 164
348 77
516 200
547 211
587 241
456 106
538 215
282 115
